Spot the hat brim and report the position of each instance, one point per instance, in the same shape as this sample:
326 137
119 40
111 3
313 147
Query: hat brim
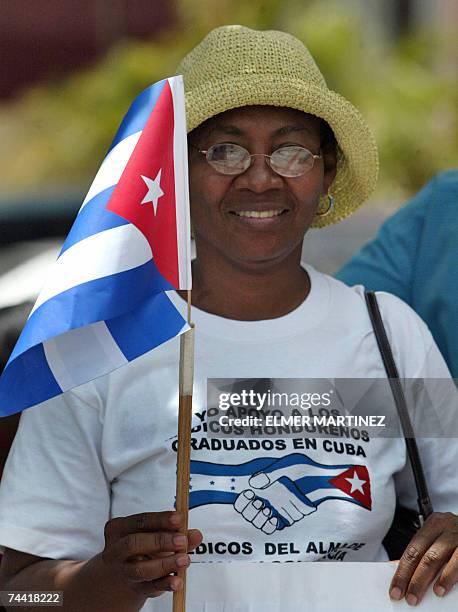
357 160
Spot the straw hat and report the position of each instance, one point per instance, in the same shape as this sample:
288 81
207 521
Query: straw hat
235 66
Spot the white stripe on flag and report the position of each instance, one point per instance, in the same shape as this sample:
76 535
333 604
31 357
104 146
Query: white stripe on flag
114 250
180 157
112 167
83 354
296 471
318 494
221 483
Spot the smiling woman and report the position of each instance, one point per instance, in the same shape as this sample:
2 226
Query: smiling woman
253 217
272 152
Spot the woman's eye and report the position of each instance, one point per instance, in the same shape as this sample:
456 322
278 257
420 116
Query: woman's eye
226 151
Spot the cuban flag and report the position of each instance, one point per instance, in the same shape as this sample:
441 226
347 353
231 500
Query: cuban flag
105 301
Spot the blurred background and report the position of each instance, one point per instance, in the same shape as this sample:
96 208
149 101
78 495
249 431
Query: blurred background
70 70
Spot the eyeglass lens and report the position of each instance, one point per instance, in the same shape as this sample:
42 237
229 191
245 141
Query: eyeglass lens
287 161
228 158
291 161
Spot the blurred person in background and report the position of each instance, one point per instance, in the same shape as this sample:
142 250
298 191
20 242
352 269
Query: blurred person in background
272 152
415 256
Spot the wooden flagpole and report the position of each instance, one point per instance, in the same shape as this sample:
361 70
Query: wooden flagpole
186 378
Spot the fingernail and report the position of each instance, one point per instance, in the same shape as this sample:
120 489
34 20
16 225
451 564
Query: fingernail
179 540
439 590
412 600
396 593
183 561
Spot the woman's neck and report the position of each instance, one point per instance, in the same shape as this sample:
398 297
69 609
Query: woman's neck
265 291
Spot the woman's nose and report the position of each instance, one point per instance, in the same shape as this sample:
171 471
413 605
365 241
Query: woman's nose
259 176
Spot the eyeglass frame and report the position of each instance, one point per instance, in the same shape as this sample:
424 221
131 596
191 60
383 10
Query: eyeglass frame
251 155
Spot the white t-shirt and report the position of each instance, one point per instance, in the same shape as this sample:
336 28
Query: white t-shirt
107 448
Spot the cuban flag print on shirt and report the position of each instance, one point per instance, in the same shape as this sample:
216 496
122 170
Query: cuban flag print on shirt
105 301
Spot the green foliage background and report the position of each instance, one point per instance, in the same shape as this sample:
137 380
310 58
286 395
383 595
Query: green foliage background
57 134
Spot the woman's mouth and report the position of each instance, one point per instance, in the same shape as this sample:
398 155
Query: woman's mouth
268 219
256 214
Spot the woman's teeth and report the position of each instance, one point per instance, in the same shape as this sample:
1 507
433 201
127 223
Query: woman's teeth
254 214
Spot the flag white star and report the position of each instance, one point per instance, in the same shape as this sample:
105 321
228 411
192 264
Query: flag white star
154 190
356 483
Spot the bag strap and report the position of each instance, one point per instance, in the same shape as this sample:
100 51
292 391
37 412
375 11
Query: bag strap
424 502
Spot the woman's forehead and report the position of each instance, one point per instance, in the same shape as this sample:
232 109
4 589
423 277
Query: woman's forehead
273 119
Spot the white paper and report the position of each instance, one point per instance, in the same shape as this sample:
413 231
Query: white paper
296 587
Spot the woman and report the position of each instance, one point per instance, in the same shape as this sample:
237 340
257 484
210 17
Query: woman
271 152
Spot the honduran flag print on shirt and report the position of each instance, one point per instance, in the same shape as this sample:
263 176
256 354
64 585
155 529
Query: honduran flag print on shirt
105 301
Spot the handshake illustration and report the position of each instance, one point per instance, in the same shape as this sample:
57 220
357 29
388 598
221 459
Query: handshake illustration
273 493
275 499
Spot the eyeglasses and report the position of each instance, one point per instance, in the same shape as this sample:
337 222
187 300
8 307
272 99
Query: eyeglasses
288 161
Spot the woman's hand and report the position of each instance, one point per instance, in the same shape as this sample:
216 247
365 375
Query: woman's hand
433 551
143 550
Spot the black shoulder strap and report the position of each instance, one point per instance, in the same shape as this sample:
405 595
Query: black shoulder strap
424 502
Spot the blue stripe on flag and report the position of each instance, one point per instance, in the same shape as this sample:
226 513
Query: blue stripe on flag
311 483
153 322
244 469
27 381
202 498
138 113
96 300
93 218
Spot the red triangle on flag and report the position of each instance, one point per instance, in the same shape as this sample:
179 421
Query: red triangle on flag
153 158
355 482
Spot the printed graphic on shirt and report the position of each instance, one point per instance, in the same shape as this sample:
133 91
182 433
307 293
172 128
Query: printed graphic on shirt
273 493
262 498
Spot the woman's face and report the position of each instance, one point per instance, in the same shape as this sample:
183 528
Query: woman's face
220 204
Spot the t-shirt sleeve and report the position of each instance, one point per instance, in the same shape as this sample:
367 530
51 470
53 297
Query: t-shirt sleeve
432 399
54 495
388 262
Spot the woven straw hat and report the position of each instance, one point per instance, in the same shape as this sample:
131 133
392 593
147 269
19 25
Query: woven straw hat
235 66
